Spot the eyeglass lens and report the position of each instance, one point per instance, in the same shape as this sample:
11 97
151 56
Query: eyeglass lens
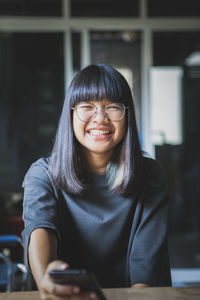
88 111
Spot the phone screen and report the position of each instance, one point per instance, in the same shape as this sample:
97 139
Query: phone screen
79 277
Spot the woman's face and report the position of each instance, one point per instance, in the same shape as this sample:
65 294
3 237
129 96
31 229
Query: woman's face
99 135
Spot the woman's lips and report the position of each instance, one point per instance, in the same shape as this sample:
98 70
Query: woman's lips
98 134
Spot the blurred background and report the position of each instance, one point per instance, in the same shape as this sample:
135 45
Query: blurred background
155 45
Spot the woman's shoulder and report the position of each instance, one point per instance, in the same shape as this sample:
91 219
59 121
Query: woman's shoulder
153 172
149 164
38 170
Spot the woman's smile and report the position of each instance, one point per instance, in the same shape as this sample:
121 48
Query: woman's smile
99 133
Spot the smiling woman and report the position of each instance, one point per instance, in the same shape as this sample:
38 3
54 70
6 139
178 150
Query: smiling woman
96 203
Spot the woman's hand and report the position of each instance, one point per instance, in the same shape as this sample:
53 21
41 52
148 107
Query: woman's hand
49 290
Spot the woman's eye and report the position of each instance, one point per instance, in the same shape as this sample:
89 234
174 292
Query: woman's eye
113 107
86 107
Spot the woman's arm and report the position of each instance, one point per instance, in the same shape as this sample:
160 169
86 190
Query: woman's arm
42 250
40 214
42 253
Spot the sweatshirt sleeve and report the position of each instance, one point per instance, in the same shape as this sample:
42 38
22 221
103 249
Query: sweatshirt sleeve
148 257
40 203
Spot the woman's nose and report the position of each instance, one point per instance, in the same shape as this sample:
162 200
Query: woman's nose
100 115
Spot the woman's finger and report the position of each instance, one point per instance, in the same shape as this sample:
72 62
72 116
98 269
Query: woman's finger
57 265
62 289
79 296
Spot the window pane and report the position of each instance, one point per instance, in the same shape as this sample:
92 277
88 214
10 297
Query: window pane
31 95
108 46
104 8
173 8
30 7
175 94
173 48
76 48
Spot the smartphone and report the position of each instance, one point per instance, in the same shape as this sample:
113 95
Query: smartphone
82 278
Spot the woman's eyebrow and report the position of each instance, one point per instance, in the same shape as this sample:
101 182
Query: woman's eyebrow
84 101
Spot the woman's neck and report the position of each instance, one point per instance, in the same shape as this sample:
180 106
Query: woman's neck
97 162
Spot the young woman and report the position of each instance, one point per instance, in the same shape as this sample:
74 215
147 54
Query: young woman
96 203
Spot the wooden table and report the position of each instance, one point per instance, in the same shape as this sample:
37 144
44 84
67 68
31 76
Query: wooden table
190 293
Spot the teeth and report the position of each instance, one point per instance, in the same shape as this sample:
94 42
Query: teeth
99 132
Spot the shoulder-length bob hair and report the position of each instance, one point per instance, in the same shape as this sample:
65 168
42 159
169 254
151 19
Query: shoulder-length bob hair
66 165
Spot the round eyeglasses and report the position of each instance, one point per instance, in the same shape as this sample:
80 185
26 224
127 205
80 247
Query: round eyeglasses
87 111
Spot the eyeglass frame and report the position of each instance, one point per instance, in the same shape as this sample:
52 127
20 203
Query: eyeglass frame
105 113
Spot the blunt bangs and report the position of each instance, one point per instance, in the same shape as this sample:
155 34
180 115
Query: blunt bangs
99 82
